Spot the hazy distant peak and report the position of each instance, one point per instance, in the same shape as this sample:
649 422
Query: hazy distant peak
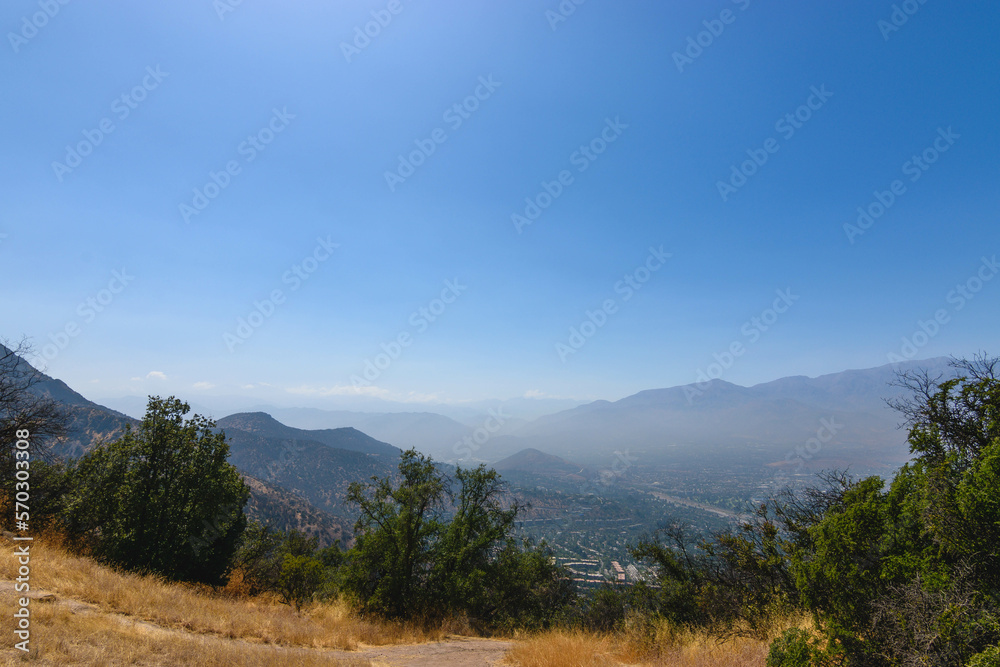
537 462
346 437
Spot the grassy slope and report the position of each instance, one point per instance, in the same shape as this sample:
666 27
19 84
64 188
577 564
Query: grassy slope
198 612
127 618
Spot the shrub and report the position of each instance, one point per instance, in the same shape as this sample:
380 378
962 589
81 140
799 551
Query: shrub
794 648
988 658
301 576
605 609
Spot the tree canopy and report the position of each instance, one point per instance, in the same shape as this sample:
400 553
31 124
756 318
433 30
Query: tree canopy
162 498
424 550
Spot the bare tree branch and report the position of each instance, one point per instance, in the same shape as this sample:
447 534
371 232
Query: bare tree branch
22 408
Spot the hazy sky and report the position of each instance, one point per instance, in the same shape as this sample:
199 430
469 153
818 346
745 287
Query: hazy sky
170 169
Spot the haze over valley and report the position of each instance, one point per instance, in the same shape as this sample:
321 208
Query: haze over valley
597 476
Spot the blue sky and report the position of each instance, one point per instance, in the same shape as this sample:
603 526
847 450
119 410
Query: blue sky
309 129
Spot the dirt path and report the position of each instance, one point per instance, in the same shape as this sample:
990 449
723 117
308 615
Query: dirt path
455 650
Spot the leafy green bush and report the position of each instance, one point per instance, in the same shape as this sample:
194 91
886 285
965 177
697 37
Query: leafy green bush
300 578
794 648
988 658
529 589
288 563
604 609
257 557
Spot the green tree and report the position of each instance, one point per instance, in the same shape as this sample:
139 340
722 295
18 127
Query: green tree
955 435
270 560
530 589
988 658
911 574
163 498
471 541
398 526
258 557
904 573
842 574
411 559
682 575
483 571
300 578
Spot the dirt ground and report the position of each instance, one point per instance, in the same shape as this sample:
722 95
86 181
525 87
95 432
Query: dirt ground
457 651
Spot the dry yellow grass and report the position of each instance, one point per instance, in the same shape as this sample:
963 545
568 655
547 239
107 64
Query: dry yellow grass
560 648
143 620
62 637
669 648
708 652
200 610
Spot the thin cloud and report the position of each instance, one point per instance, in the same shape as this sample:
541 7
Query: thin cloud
338 390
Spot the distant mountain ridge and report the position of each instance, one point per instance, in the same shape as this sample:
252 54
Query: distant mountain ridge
764 421
428 432
693 427
538 463
295 482
769 417
316 471
349 438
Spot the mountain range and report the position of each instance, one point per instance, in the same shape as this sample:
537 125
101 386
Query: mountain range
711 424
758 424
